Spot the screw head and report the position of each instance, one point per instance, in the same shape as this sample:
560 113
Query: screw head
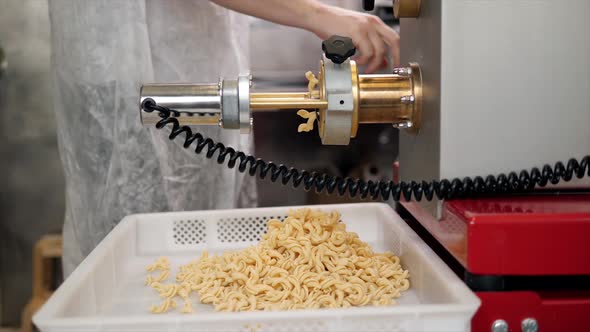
403 125
408 99
499 325
529 325
402 71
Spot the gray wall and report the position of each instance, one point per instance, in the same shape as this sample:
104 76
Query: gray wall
32 193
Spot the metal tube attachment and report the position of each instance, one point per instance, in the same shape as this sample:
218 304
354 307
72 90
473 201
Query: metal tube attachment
197 104
226 103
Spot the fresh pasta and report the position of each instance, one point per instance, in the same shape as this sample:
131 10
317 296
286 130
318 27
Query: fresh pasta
307 261
313 82
310 116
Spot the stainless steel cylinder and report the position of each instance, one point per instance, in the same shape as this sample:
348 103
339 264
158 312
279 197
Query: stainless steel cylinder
244 83
196 104
235 104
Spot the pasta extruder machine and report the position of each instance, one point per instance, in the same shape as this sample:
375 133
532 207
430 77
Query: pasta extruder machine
344 98
490 87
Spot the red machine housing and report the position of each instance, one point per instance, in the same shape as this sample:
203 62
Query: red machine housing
531 235
541 240
553 311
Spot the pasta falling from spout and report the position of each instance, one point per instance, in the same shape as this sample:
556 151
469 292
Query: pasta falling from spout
310 116
313 82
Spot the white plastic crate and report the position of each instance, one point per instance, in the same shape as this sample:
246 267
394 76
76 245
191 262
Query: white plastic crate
107 293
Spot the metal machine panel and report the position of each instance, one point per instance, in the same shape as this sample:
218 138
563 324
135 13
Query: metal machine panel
506 86
420 42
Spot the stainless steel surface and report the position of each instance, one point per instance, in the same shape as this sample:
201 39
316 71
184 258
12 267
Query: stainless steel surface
518 97
226 103
337 118
230 118
465 131
499 325
419 155
497 98
529 325
3 62
198 104
244 83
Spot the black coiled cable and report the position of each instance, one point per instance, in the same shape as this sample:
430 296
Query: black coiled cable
443 189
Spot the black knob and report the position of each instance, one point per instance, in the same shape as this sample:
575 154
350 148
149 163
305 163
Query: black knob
368 4
338 48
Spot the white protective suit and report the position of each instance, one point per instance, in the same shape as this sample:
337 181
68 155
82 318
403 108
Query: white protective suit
102 50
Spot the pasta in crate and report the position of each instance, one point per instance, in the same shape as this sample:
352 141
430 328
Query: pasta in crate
307 261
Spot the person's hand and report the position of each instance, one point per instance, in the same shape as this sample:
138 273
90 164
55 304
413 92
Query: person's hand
370 35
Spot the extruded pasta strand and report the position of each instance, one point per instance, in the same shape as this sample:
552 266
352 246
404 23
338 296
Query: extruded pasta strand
310 116
313 82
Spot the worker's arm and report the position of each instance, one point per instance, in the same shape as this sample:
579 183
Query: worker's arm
371 36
